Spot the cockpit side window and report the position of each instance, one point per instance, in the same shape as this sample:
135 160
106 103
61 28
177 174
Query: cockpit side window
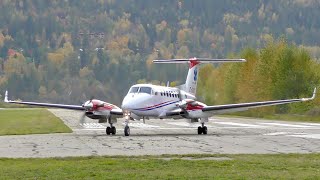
134 90
145 90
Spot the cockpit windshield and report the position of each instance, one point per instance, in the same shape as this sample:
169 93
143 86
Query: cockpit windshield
134 90
145 90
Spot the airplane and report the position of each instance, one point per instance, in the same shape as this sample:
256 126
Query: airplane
144 101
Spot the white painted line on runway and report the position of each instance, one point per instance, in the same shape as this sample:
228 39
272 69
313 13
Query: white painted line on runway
186 124
239 124
276 133
312 136
311 124
286 125
89 129
93 126
141 125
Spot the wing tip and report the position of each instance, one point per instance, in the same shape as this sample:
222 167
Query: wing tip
6 96
314 93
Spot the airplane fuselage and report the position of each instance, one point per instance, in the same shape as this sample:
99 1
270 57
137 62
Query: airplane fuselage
146 100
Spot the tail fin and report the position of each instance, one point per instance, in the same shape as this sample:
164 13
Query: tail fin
192 78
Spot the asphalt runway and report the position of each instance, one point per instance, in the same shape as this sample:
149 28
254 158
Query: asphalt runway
225 136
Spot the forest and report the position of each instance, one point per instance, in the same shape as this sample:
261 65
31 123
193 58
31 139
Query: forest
66 51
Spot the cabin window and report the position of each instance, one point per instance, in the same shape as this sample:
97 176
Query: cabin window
134 90
145 90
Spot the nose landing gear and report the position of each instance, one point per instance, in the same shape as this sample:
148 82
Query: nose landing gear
127 128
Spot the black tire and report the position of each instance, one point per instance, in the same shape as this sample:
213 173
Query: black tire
199 130
127 131
113 130
205 130
108 130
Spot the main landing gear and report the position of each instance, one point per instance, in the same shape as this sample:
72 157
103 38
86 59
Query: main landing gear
202 129
111 129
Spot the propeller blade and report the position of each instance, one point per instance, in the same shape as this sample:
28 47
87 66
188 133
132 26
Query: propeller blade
92 97
82 119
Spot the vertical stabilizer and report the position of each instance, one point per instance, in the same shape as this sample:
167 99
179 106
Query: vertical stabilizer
192 78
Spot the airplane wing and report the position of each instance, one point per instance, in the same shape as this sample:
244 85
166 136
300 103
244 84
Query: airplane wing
227 108
61 106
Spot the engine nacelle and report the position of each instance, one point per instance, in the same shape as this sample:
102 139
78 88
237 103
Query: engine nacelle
195 114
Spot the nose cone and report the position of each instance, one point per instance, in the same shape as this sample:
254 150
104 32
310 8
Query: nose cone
126 103
88 105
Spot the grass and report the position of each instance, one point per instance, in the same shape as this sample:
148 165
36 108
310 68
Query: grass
293 117
9 105
283 117
30 121
280 166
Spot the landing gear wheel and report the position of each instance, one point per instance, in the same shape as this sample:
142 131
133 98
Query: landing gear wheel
199 130
108 130
204 130
113 130
126 131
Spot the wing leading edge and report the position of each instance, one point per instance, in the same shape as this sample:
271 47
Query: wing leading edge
62 106
227 108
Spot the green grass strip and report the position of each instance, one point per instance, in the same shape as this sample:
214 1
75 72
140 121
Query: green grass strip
30 121
279 166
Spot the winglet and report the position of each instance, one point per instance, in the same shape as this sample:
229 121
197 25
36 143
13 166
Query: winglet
6 97
313 95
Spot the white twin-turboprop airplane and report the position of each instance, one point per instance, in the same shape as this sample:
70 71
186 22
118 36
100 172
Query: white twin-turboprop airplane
147 100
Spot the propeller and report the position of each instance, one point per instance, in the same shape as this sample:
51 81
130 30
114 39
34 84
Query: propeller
182 103
82 119
88 105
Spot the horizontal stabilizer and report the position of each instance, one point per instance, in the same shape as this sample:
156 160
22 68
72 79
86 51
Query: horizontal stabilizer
200 60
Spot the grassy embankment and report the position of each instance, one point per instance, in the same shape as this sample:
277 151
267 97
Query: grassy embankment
282 117
30 121
280 166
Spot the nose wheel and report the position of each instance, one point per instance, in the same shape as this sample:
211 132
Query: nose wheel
127 128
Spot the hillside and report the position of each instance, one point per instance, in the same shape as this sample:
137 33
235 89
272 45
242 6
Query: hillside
67 51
